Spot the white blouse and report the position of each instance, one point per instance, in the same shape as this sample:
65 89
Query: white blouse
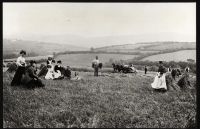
21 61
95 61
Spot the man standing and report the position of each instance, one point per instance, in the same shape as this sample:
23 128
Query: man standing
95 65
145 69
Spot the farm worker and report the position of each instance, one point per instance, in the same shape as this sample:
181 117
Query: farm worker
160 80
95 65
58 69
145 69
50 73
169 69
30 79
187 69
21 64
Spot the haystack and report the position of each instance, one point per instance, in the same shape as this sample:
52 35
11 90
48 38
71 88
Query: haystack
170 82
12 67
184 82
43 71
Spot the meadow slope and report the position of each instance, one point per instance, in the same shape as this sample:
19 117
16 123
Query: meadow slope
110 100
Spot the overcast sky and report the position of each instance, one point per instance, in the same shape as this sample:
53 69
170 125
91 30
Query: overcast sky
100 19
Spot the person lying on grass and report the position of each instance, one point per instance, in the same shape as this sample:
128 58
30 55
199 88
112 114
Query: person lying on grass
30 78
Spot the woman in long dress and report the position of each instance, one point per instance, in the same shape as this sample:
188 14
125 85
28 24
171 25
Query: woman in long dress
21 64
160 80
57 70
50 73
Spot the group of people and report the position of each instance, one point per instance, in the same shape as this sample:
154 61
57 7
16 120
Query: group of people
54 71
159 82
26 74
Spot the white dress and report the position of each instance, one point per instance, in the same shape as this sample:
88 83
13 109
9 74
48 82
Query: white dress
57 74
159 82
50 73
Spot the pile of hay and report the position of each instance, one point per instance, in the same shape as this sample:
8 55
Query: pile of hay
12 67
184 82
170 82
43 70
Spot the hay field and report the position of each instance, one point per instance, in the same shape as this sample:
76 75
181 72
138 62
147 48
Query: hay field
111 100
84 60
182 55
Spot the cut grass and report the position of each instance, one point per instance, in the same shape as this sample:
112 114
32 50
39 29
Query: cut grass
104 101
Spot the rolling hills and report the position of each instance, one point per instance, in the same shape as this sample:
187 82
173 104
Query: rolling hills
41 48
149 47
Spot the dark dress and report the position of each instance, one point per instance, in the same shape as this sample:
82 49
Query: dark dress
57 68
145 69
18 75
161 69
48 62
30 79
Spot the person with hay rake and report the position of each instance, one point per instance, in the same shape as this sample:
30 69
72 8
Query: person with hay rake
21 64
96 65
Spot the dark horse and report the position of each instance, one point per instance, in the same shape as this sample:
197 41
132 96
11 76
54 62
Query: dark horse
122 68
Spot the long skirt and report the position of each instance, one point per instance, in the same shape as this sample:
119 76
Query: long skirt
159 82
96 71
49 75
57 74
18 76
35 83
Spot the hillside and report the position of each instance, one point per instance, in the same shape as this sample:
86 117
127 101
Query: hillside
41 48
149 47
182 55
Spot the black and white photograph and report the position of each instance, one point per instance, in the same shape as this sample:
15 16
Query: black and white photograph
99 65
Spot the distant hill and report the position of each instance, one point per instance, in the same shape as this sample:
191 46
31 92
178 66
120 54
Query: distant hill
13 46
149 47
155 51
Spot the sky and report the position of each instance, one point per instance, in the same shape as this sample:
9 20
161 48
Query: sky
175 21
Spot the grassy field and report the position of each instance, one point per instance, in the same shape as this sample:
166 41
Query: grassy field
85 60
111 100
174 56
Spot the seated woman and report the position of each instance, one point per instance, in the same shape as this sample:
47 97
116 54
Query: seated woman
30 79
160 80
57 71
50 73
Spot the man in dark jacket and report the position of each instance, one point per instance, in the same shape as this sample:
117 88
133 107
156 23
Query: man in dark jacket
30 79
145 69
